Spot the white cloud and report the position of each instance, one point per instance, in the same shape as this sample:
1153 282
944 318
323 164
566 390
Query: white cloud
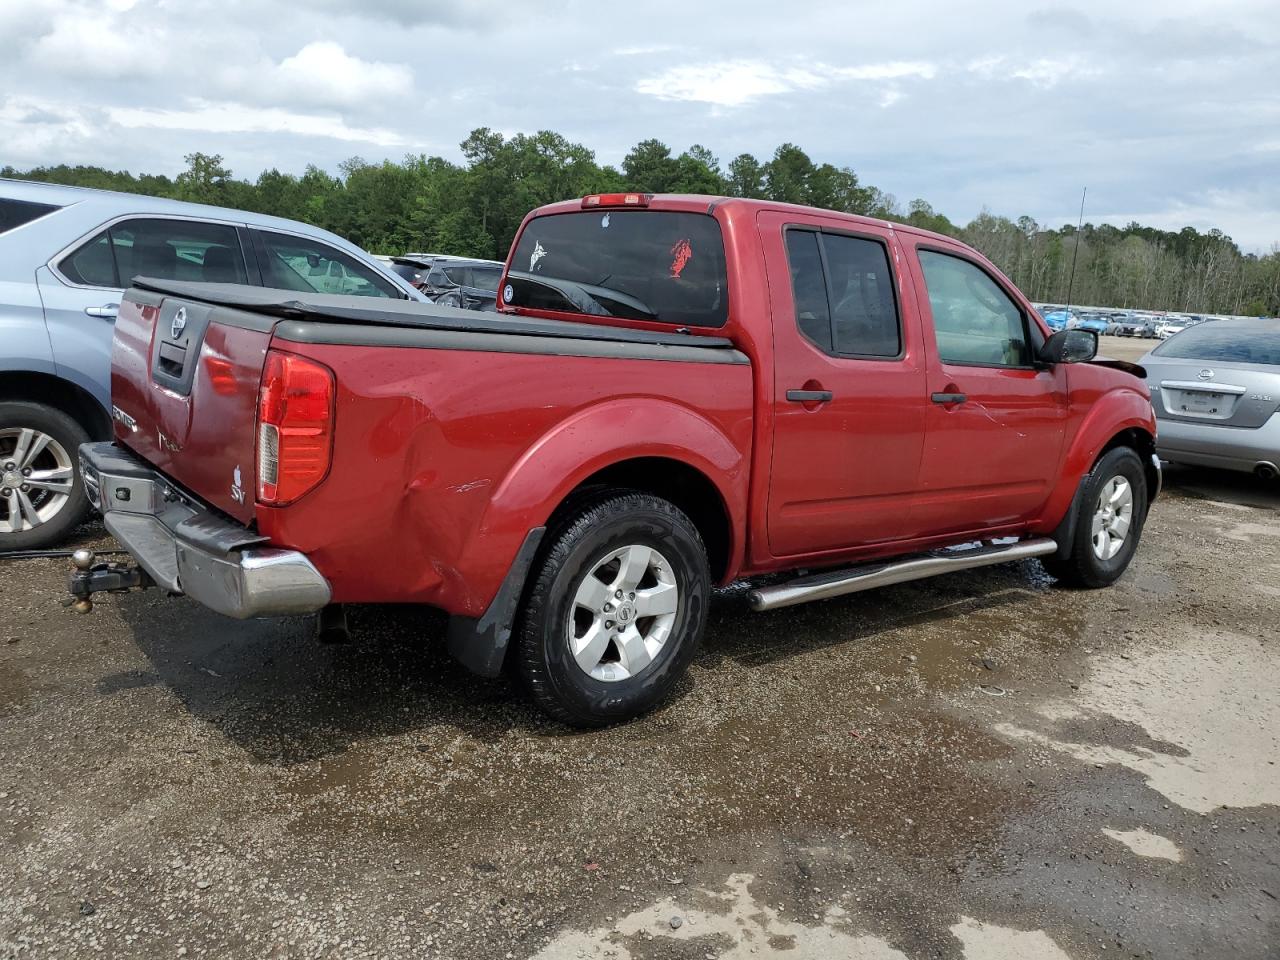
226 118
323 74
732 83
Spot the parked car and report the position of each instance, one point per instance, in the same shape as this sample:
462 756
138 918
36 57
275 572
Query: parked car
1093 322
471 284
1216 392
1149 328
66 253
1168 328
681 391
1060 319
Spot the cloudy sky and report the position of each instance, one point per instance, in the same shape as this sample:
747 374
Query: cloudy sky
1168 110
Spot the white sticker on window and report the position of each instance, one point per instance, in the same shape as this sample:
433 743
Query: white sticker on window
538 254
604 221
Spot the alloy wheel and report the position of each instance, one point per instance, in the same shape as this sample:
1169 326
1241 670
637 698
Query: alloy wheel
623 612
36 478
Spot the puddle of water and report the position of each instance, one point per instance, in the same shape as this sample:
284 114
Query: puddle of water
1146 844
735 925
1212 694
986 941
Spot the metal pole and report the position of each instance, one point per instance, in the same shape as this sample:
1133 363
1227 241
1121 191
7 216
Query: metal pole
1072 281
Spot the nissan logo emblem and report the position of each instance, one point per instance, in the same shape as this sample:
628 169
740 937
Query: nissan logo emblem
179 323
1205 374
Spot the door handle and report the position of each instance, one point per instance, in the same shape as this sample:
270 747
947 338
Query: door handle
108 311
809 396
948 398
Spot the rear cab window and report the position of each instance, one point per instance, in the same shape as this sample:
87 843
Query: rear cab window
658 265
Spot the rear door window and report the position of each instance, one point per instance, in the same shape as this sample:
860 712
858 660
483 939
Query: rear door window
300 263
635 264
177 250
844 294
14 213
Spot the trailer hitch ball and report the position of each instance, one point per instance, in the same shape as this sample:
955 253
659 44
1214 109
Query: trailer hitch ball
82 559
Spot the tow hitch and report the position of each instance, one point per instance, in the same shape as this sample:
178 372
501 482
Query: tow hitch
92 576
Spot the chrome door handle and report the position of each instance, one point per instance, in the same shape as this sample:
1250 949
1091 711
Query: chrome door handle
948 398
809 396
108 311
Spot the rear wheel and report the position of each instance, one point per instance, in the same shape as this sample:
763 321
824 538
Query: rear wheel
1113 509
41 494
616 610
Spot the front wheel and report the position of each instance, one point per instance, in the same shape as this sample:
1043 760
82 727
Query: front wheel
616 610
1113 509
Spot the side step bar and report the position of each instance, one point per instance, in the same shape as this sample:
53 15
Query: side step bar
835 583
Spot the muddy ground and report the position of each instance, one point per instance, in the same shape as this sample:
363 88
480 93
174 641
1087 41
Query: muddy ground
977 766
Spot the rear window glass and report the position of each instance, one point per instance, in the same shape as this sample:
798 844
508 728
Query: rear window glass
14 213
634 264
408 271
1224 343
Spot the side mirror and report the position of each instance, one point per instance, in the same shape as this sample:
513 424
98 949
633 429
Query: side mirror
1069 346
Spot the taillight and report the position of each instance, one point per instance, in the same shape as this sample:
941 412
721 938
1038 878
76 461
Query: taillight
616 200
295 427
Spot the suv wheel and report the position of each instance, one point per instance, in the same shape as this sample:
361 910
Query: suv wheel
616 610
1113 509
41 493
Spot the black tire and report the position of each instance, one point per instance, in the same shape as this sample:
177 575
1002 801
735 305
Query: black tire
1082 567
66 433
574 550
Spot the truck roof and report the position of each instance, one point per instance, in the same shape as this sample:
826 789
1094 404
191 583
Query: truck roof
701 203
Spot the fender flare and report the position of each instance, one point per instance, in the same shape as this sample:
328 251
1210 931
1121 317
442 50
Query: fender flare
505 542
1113 413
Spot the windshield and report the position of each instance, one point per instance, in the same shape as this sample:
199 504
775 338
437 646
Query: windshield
1224 343
635 264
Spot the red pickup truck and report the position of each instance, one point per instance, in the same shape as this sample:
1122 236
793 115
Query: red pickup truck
679 391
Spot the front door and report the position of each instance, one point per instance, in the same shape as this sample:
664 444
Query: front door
849 382
995 419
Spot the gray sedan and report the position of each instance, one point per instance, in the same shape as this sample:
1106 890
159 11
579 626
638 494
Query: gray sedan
1216 392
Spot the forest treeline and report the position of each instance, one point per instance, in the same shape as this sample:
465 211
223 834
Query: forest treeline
474 208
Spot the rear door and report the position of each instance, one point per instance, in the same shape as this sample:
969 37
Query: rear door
995 420
849 384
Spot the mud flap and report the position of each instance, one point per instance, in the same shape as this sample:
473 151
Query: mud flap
1064 533
480 644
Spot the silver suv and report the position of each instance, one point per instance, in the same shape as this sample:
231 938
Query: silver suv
66 253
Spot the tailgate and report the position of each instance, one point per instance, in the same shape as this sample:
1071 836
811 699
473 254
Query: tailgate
184 389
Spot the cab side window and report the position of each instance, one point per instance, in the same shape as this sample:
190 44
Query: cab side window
843 292
974 321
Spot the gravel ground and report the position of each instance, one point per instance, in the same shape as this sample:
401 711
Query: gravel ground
979 766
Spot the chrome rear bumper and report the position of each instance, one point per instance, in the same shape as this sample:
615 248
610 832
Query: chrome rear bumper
185 547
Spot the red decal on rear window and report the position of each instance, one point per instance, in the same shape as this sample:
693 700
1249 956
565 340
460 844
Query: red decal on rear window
681 254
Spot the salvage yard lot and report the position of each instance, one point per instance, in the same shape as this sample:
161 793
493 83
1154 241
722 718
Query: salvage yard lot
975 766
